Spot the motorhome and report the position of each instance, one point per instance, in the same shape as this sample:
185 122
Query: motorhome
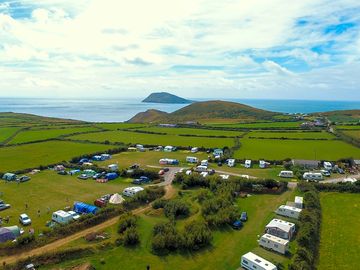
204 163
313 176
169 148
248 163
263 164
327 165
231 162
201 168
194 150
252 261
274 243
192 159
61 217
286 174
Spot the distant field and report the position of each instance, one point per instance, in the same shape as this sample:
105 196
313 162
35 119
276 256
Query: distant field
115 126
281 149
33 155
43 134
48 189
194 131
340 238
353 133
348 127
7 132
260 125
291 135
152 139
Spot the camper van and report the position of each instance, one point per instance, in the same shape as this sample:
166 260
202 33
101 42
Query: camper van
274 243
194 150
61 217
252 261
192 159
313 176
131 191
204 163
263 164
113 167
286 174
248 163
169 148
201 168
327 166
231 162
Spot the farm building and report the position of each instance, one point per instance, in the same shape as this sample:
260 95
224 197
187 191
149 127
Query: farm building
308 164
299 202
131 191
83 208
9 177
113 167
274 243
280 228
288 211
252 261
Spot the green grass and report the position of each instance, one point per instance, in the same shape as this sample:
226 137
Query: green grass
291 135
115 126
151 139
353 133
48 189
348 127
340 238
5 133
281 149
33 155
44 134
260 125
193 131
228 245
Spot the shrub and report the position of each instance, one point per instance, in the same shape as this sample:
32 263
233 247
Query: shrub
197 235
125 222
176 208
131 237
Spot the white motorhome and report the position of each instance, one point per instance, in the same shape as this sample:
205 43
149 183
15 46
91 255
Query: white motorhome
113 167
288 211
192 159
327 165
168 148
194 149
61 217
248 163
231 162
204 163
201 168
286 174
131 191
313 176
274 243
263 164
299 202
252 261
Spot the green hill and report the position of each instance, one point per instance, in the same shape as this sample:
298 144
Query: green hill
164 97
206 111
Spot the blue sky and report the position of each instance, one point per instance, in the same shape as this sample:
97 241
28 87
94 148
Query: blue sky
194 48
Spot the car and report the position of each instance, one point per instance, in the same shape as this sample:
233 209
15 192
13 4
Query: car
166 169
325 173
237 225
219 164
24 178
137 181
83 176
62 172
211 172
341 171
161 172
243 216
145 179
3 205
135 166
24 219
99 175
74 215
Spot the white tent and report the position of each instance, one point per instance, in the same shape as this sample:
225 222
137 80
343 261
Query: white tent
116 199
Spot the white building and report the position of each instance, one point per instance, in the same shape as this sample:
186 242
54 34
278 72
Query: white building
251 261
280 228
274 243
131 191
288 211
299 202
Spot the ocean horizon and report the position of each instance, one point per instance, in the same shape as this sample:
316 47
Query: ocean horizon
119 110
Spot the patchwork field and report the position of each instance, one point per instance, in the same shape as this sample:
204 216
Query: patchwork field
266 125
300 149
353 133
43 134
225 253
340 238
348 127
152 139
115 126
33 155
47 191
5 133
194 131
291 135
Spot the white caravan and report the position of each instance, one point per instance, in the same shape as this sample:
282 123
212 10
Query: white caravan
248 163
61 217
274 243
252 261
288 211
231 162
192 159
131 191
286 174
313 176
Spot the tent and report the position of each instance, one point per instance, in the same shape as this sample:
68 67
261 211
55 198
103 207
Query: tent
6 235
116 199
83 208
14 229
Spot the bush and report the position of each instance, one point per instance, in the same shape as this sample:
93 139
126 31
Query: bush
176 208
159 203
131 237
125 222
197 235
166 238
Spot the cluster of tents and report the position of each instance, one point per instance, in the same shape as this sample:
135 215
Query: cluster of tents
9 233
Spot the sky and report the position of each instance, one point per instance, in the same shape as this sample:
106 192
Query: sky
267 49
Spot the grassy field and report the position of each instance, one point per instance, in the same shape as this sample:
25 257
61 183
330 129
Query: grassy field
227 247
33 155
340 238
281 149
194 131
115 126
5 133
151 139
47 191
291 135
43 134
353 133
348 127
259 125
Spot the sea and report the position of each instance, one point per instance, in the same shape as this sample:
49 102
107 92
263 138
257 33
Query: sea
118 110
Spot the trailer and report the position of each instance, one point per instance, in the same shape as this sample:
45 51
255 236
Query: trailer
194 149
252 261
274 243
131 191
201 168
313 176
288 211
205 162
286 174
280 228
192 159
263 164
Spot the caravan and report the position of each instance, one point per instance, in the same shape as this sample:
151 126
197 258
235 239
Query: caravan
327 166
131 191
313 176
286 174
231 162
288 211
252 261
248 163
192 159
263 164
201 168
61 217
274 243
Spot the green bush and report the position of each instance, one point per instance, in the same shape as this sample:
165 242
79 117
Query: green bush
126 221
131 237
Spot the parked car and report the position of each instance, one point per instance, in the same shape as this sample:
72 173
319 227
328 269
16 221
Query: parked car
62 172
243 216
161 172
24 178
74 215
145 179
4 205
166 169
325 173
219 164
98 175
83 176
341 171
24 219
237 225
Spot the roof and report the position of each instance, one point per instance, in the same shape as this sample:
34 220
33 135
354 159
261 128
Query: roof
275 239
299 199
281 224
62 213
291 208
259 261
